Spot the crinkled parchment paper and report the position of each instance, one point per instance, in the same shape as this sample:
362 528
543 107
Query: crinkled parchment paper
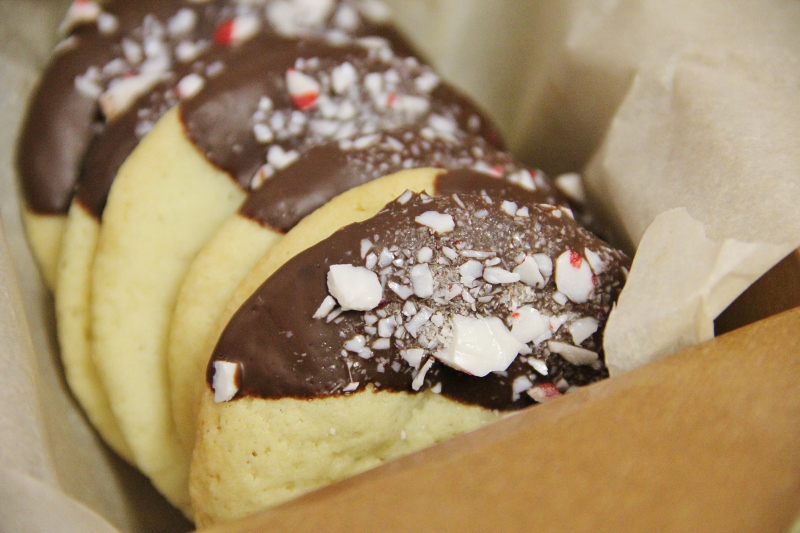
682 113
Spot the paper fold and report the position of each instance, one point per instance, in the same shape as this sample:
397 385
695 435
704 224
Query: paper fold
679 282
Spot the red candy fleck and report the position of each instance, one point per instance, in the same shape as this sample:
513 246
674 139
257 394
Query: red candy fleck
303 89
304 101
594 281
575 259
549 390
224 33
391 100
497 170
515 315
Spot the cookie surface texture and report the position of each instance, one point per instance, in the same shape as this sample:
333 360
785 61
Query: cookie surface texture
259 453
164 205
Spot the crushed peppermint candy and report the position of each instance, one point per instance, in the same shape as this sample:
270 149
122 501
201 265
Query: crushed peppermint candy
158 47
225 384
354 287
367 102
574 277
515 337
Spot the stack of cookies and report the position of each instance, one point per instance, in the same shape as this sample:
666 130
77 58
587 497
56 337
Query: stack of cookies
284 251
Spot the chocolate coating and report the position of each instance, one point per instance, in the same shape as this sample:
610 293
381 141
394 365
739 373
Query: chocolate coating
109 149
282 351
61 120
328 170
219 121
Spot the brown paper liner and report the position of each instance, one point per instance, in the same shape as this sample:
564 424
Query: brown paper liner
704 440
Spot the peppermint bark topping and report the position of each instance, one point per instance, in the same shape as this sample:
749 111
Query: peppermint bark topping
355 102
442 321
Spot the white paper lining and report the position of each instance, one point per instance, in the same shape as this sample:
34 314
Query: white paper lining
683 104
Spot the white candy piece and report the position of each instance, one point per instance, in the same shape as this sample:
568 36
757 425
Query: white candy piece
538 365
343 77
424 254
187 51
387 326
346 18
529 273
557 321
422 280
401 290
413 356
356 344
545 264
574 276
582 329
405 197
509 207
500 275
354 287
325 307
597 264
263 134
182 22
291 17
418 320
528 324
574 354
438 222
520 385
132 51
524 179
107 23
301 88
544 393
420 377
280 158
224 381
472 269
366 246
426 82
386 258
382 344
443 125
479 346
243 28
87 85
122 92
190 85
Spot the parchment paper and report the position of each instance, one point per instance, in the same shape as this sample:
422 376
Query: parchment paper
665 104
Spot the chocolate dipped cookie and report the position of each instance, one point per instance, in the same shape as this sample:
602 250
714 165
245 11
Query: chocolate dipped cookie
247 30
426 318
279 204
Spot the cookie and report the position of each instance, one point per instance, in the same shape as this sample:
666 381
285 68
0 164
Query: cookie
174 191
443 310
269 27
316 177
107 150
